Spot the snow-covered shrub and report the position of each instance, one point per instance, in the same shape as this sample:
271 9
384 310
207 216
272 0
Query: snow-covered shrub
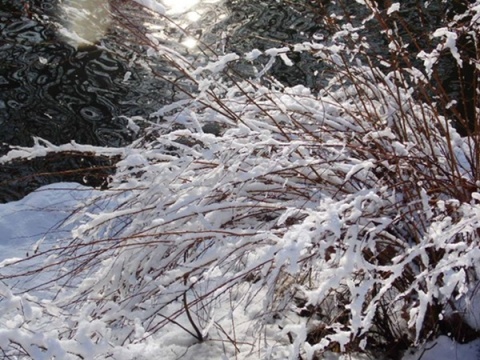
343 220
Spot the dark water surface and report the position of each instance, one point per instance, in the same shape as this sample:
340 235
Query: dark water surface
52 90
59 92
56 91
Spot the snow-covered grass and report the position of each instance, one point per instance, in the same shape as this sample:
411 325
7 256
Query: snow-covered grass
305 225
23 220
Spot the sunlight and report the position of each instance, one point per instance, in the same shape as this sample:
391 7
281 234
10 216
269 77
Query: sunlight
85 22
179 6
193 16
190 42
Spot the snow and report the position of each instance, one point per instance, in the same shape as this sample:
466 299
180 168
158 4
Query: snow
153 5
349 204
450 42
218 65
252 55
393 8
38 216
43 147
444 348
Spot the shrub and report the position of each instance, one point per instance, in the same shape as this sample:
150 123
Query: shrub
345 220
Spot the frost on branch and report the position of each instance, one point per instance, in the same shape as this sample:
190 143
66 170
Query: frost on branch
343 220
348 205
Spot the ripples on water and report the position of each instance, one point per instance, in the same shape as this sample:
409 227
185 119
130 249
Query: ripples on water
53 90
267 24
270 23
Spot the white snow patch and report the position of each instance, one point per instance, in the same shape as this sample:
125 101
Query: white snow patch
393 8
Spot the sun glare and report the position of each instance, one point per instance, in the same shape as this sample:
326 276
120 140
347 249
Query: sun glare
193 16
190 42
179 6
